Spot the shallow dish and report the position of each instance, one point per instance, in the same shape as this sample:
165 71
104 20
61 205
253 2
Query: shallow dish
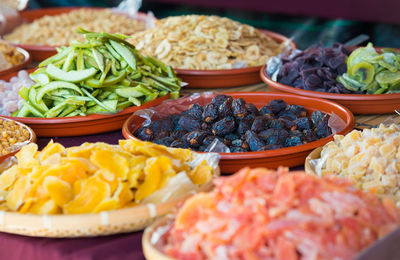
85 225
79 125
22 65
42 52
32 139
291 156
228 78
357 103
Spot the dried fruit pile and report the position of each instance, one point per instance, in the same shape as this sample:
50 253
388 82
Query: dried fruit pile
316 69
206 43
12 136
97 177
237 125
261 214
370 159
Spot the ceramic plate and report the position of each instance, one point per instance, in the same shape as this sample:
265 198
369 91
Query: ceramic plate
291 156
79 125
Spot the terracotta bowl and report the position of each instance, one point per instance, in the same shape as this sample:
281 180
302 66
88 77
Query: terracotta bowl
79 125
22 65
227 78
42 52
291 156
357 103
32 139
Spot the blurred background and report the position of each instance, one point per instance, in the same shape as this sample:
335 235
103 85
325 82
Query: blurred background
308 22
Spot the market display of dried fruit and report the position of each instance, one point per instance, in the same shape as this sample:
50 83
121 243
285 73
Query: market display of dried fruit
237 126
201 42
57 30
370 159
264 214
97 177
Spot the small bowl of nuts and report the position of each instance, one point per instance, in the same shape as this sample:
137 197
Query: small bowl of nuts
13 136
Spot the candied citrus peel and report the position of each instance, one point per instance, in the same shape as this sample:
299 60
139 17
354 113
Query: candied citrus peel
93 177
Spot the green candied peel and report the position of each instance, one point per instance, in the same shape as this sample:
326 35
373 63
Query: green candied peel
372 72
103 74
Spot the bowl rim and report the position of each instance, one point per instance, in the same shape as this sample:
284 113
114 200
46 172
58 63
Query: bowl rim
223 72
333 96
27 60
276 152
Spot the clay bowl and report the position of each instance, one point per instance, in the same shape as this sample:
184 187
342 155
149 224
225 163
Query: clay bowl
32 139
227 78
291 156
79 125
357 103
42 52
22 65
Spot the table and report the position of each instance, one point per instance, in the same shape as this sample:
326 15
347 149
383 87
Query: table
123 246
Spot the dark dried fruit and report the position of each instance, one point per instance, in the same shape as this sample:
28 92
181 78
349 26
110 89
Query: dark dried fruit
323 130
316 117
208 140
266 110
164 141
309 136
237 150
218 100
210 113
260 123
255 143
244 125
188 123
252 109
224 126
239 108
225 109
274 136
177 134
287 114
276 105
162 134
179 144
289 124
277 124
144 133
195 111
296 109
240 143
303 123
293 141
195 138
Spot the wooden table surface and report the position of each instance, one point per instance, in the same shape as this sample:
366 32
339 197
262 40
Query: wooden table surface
362 121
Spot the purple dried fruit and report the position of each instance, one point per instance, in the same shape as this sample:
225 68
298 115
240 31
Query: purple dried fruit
144 133
195 138
224 126
255 143
239 108
195 111
210 113
276 105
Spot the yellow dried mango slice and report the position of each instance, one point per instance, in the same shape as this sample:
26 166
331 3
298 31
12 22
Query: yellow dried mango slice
201 174
84 150
53 159
115 164
45 206
60 191
26 206
17 195
27 156
106 205
153 177
8 177
135 175
80 162
93 191
123 194
50 149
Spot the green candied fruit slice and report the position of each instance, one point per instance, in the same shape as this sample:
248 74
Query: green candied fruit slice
363 72
361 54
388 77
70 76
